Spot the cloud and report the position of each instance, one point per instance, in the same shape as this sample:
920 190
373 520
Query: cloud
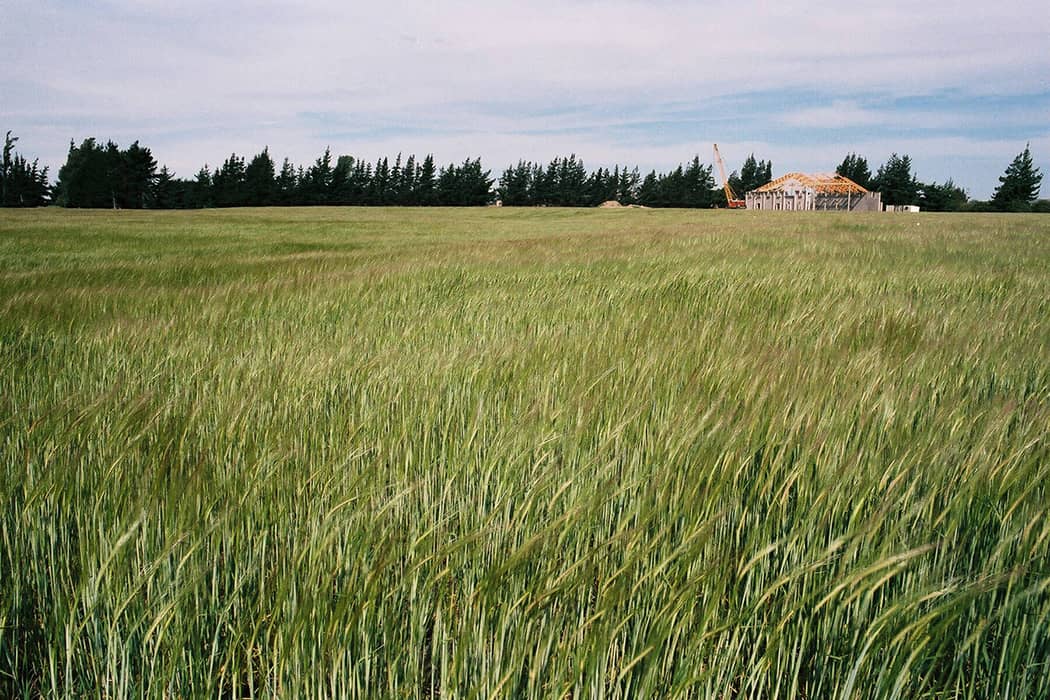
616 81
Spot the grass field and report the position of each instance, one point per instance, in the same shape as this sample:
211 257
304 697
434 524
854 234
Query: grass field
524 453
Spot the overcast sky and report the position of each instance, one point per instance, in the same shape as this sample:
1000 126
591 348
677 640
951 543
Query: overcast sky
959 86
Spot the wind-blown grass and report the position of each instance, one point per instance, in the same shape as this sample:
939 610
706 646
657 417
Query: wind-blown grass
498 453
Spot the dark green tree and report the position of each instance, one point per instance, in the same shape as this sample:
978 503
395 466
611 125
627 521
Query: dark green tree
316 186
165 190
394 193
228 183
202 193
516 186
700 184
855 168
260 183
627 187
407 188
287 185
22 184
426 183
136 174
466 185
342 176
648 191
84 179
1019 185
753 175
942 197
896 182
380 185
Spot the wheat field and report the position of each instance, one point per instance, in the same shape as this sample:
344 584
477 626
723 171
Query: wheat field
540 453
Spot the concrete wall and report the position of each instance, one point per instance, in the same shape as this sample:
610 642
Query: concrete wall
808 200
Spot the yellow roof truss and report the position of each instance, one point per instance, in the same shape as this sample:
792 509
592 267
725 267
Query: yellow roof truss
823 183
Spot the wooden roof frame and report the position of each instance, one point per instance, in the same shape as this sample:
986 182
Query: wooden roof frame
822 183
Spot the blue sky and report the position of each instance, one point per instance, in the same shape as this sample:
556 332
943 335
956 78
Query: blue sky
960 87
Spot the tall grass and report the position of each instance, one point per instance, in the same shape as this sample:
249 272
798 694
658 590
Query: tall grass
495 453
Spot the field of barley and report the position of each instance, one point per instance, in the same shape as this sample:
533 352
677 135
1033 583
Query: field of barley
496 453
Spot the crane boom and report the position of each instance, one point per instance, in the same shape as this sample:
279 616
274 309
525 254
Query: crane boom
732 201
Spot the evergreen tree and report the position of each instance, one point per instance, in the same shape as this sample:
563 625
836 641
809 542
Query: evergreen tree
259 181
896 182
22 184
165 190
342 175
84 179
395 191
137 176
601 186
648 191
286 185
1019 185
200 193
228 183
380 184
571 178
316 186
700 183
426 186
475 183
753 175
946 197
540 186
407 188
515 185
360 182
627 187
855 168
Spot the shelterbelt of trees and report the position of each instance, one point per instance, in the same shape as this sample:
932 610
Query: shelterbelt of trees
108 176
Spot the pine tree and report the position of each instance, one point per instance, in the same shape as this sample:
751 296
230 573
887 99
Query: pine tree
1019 185
317 184
896 182
627 187
164 189
202 193
700 183
395 192
648 193
286 184
259 180
85 179
425 189
946 197
855 168
342 174
516 186
228 183
22 184
407 187
137 175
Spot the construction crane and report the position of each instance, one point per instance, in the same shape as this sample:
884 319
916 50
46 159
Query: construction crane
731 199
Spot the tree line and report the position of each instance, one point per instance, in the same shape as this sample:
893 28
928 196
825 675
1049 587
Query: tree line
97 175
1018 188
101 176
565 182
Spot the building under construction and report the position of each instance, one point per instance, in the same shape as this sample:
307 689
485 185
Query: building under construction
819 192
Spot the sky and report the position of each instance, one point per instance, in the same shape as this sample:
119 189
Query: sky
960 87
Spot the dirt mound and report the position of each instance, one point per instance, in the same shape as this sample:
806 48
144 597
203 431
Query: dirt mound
611 204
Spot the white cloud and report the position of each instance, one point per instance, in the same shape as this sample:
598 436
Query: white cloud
197 79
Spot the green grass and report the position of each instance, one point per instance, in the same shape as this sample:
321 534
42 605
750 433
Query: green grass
524 453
